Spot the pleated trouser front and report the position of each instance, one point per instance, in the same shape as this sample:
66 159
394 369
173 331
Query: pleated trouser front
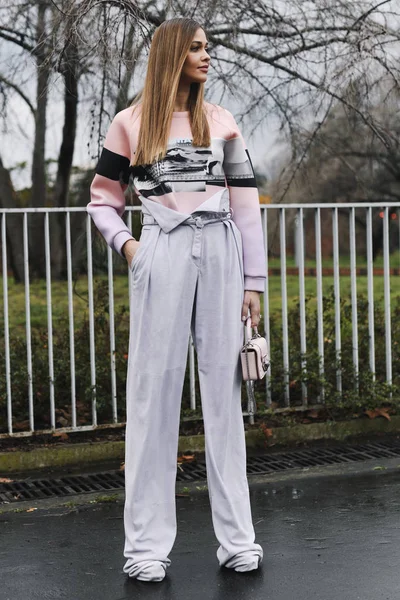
185 277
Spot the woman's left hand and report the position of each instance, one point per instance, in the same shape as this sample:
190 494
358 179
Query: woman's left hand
252 301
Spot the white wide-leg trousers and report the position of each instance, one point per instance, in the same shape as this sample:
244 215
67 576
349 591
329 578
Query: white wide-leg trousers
187 275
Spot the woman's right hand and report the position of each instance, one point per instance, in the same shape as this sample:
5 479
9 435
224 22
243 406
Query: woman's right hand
129 250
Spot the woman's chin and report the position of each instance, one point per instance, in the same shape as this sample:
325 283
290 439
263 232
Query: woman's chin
201 79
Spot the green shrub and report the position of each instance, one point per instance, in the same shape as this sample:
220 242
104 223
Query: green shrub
62 370
357 391
366 394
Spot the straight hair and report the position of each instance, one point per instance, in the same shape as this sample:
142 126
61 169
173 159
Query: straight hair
169 48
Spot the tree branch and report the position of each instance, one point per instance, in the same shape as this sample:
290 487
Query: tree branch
301 77
20 42
12 85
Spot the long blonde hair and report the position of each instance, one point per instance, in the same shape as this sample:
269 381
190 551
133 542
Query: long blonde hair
169 48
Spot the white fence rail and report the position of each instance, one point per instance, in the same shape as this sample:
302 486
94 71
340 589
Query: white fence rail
307 234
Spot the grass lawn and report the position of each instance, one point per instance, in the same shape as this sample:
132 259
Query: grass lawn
293 291
59 293
80 297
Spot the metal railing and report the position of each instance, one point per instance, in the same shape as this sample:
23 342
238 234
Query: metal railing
284 225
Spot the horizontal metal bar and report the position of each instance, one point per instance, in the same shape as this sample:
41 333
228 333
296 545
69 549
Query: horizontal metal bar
57 209
64 209
333 205
105 426
22 434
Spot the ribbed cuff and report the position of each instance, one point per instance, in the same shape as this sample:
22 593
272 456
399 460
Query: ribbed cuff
120 239
254 284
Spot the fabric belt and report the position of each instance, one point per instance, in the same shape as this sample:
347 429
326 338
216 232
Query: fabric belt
197 220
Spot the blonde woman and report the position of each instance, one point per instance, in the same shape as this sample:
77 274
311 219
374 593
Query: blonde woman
199 266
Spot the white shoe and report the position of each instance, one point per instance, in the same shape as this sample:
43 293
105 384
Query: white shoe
153 571
250 566
248 560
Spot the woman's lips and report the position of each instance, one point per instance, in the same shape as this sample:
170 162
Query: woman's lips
203 69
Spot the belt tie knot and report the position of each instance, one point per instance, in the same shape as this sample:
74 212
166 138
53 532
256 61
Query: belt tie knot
199 222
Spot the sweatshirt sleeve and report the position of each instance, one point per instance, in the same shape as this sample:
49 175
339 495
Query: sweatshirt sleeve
245 203
107 199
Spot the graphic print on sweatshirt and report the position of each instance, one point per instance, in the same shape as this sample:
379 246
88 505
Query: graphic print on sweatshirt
187 178
185 168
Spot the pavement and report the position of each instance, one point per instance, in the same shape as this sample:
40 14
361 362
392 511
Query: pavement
329 533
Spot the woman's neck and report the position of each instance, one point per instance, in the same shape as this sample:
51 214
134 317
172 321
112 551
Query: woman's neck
182 98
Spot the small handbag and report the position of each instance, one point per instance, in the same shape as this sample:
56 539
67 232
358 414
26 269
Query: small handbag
254 354
255 363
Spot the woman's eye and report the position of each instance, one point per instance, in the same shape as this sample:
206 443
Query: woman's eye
198 48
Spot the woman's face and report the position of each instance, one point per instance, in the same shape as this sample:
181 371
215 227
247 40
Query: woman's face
197 60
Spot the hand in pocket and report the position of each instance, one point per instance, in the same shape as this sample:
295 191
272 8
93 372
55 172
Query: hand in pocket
129 249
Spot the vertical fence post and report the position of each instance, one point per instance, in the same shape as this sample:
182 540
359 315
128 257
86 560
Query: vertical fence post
386 283
91 318
28 322
285 339
266 306
370 278
6 322
302 299
49 318
192 374
112 335
336 283
71 318
320 307
353 282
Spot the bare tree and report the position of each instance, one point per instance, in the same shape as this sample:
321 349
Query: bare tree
288 61
343 160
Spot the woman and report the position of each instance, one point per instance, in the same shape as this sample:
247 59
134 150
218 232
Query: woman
199 266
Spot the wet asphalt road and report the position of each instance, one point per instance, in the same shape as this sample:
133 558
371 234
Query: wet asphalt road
333 537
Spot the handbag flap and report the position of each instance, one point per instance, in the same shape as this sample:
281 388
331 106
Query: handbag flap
260 345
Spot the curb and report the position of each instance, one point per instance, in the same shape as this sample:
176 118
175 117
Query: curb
59 455
185 490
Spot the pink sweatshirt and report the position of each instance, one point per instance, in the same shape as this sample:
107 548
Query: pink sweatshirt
188 177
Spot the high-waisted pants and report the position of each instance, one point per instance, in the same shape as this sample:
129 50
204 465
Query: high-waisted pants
186 276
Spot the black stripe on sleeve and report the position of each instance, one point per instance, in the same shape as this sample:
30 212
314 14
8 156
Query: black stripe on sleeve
240 181
113 166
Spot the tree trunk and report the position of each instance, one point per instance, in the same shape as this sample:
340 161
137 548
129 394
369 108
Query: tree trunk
65 158
38 193
131 55
70 73
14 231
